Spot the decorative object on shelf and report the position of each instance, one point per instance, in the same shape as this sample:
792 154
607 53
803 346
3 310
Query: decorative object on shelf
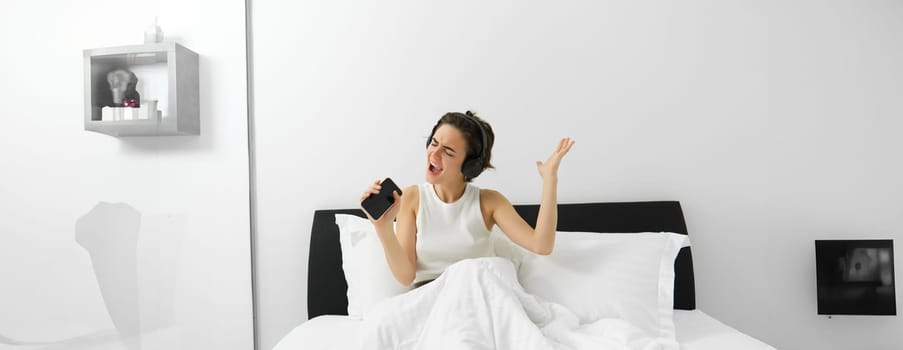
148 110
153 33
145 112
132 98
122 83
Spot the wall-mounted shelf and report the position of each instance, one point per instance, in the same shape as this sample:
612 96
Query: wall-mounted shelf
167 72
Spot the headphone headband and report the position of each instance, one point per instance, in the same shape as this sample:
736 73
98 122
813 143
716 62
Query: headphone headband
482 135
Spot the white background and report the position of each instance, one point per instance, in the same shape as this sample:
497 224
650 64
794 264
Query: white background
190 287
775 123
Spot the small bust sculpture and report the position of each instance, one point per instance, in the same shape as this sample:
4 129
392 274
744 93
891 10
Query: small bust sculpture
122 84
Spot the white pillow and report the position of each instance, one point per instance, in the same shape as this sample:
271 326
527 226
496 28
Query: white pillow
367 272
628 276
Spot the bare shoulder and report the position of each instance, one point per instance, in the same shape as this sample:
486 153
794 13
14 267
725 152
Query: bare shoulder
412 189
411 197
491 198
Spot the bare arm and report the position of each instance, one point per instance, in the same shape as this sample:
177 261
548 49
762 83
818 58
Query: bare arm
540 240
398 242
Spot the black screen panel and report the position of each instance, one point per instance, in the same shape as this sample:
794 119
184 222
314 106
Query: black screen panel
855 277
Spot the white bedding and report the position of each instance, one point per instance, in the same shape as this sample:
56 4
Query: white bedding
479 304
696 330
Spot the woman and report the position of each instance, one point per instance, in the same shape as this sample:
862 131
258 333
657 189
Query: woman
447 219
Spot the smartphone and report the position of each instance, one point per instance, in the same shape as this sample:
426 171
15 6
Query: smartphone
377 204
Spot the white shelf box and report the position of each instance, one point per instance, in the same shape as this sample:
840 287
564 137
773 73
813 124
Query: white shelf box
167 72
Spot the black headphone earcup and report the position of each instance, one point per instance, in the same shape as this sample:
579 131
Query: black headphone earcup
472 167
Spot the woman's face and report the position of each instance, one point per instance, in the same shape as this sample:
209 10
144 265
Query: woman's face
445 155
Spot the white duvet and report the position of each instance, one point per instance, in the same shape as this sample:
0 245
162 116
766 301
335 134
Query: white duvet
479 304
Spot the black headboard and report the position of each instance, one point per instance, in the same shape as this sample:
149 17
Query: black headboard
326 286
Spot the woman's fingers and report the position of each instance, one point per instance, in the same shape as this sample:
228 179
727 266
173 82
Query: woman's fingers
551 165
373 189
564 146
567 144
368 192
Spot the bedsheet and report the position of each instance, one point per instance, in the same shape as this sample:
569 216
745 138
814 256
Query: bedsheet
696 330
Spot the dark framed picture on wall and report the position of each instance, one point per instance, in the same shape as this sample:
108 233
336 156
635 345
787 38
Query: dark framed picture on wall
855 277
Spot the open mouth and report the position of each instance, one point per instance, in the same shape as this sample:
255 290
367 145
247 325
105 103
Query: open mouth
434 170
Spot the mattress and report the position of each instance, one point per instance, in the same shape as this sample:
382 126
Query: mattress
695 331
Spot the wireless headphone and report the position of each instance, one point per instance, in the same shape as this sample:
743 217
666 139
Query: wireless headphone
472 166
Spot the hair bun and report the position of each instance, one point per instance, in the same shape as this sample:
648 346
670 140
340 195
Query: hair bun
470 114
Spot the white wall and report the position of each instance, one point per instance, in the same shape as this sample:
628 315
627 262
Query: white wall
180 278
775 123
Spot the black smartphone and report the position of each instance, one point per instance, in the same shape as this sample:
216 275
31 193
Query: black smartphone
377 204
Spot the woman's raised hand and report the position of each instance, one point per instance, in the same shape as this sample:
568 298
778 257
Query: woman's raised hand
549 169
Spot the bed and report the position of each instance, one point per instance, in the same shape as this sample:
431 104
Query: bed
330 327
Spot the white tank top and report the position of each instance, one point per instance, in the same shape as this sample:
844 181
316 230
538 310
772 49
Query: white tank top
449 232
